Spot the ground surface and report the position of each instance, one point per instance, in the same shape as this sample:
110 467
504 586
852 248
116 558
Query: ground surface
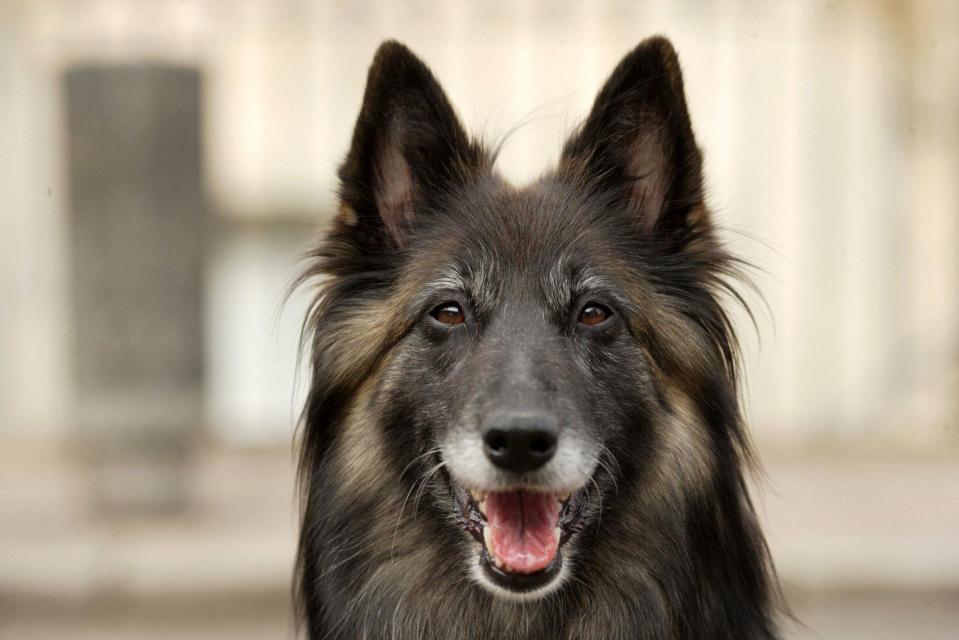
867 549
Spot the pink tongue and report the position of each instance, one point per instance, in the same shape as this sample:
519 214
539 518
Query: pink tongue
522 526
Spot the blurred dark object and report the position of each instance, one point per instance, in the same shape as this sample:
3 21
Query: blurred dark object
137 242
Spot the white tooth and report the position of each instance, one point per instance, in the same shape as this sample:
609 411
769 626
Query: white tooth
488 539
563 497
558 533
482 506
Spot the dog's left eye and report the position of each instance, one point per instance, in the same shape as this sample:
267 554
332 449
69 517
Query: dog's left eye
594 314
449 313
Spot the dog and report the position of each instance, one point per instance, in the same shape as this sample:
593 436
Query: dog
523 419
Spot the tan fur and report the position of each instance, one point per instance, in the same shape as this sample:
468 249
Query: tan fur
686 459
359 458
346 215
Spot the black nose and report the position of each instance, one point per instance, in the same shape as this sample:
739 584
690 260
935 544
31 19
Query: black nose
520 441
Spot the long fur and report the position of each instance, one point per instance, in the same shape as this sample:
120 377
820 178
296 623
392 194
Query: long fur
671 548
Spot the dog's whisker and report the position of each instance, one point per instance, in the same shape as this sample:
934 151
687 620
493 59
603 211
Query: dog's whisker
336 565
599 511
426 478
399 516
605 462
431 452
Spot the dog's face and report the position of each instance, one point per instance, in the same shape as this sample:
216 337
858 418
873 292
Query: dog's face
520 371
528 352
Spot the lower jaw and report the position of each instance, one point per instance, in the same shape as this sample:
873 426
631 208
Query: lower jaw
520 583
498 578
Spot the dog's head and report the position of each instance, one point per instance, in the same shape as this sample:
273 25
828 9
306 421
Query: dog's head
529 358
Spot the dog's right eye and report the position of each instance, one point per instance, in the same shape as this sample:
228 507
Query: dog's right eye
594 314
449 313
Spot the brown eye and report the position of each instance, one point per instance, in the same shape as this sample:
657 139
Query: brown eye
594 314
449 313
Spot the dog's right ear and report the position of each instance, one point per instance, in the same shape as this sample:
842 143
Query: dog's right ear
408 150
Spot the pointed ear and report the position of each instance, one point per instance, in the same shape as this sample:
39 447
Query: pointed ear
637 145
408 148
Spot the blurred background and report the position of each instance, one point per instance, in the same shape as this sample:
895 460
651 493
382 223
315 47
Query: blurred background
164 164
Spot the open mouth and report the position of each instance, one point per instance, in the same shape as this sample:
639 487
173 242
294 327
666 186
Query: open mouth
522 532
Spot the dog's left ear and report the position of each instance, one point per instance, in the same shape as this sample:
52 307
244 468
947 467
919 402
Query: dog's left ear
637 144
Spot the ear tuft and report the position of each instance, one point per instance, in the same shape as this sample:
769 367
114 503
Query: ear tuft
637 142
